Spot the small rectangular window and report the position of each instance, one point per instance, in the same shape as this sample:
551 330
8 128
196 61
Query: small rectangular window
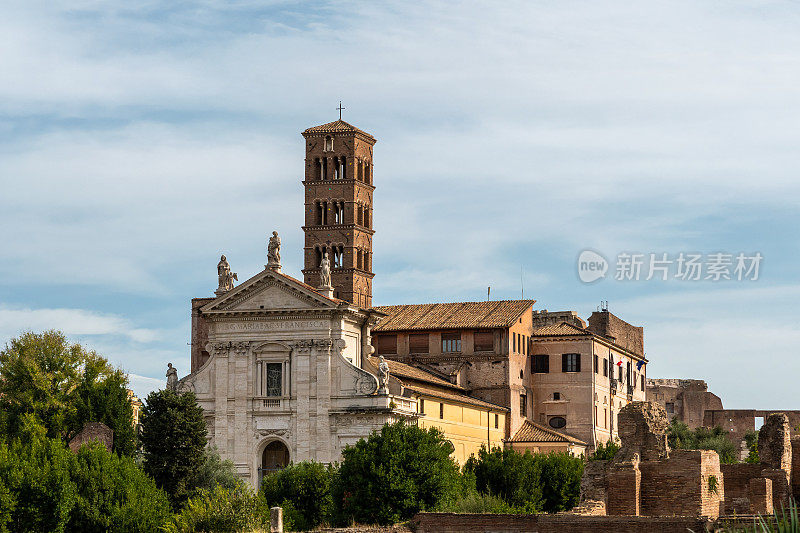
523 405
451 342
418 343
620 372
605 418
514 342
670 407
605 367
541 364
496 421
274 379
422 405
484 341
641 376
571 362
596 364
441 410
387 344
596 420
557 396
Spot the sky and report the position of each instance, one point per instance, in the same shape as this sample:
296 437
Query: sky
139 141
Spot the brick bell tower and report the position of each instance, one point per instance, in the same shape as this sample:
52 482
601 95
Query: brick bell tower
338 181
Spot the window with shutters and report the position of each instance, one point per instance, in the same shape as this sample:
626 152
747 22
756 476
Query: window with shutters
571 362
484 341
496 421
451 342
422 405
596 364
605 367
441 411
387 344
541 364
523 405
418 343
642 378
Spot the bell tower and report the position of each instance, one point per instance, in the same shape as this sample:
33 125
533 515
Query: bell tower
338 214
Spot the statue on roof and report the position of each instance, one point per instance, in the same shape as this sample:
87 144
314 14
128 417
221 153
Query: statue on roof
274 251
226 277
383 376
325 271
172 377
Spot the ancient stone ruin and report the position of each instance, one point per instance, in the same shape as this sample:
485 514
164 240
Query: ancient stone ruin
646 478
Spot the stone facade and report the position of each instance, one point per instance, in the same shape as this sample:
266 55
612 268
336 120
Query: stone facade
684 399
283 380
93 432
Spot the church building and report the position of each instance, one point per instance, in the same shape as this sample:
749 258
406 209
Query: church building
284 369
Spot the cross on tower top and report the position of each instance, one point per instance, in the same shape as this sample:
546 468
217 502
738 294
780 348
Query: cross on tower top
340 108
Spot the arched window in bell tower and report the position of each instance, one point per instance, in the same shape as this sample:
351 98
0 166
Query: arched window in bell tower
318 253
317 169
328 143
343 172
367 173
366 216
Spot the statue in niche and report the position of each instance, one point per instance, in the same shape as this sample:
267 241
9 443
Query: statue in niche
325 271
172 377
274 250
226 277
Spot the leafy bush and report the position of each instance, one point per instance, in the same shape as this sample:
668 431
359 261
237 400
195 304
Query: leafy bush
478 503
45 487
394 474
173 438
681 437
604 452
214 471
528 482
304 492
751 439
221 510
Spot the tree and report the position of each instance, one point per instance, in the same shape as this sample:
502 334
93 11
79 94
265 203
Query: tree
515 477
304 491
173 438
221 510
561 481
64 386
604 452
680 436
394 474
214 471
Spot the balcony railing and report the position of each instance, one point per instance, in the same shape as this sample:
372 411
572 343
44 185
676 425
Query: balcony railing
263 403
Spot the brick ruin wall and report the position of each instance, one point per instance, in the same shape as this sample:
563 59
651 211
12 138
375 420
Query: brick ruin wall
93 432
626 335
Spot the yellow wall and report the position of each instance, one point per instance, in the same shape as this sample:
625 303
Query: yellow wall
464 425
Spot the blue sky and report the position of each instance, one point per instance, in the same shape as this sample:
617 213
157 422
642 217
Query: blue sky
139 141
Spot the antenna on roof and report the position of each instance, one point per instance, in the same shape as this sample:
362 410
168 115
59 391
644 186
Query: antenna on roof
488 293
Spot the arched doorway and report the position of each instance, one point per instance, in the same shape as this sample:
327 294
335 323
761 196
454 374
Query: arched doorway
274 457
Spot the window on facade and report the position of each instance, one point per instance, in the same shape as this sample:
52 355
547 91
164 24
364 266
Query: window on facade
556 396
422 405
317 169
366 217
514 342
523 405
451 342
484 341
496 421
605 367
641 377
441 411
338 212
670 407
324 168
571 362
387 344
418 343
274 379
328 143
557 422
605 418
596 420
596 363
620 372
541 364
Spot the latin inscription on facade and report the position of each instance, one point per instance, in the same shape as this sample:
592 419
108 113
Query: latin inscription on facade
278 325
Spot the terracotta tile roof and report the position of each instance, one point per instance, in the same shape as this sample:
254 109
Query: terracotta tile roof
453 396
402 370
560 330
533 432
457 315
337 126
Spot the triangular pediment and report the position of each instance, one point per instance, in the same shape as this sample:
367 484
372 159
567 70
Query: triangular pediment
269 291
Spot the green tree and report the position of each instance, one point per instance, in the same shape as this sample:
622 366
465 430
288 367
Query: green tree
173 437
394 474
751 439
304 491
215 471
515 477
561 481
64 386
604 452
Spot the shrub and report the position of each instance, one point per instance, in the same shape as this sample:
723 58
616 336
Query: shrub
478 503
45 487
561 481
394 474
304 492
604 452
680 436
221 510
751 439
214 471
